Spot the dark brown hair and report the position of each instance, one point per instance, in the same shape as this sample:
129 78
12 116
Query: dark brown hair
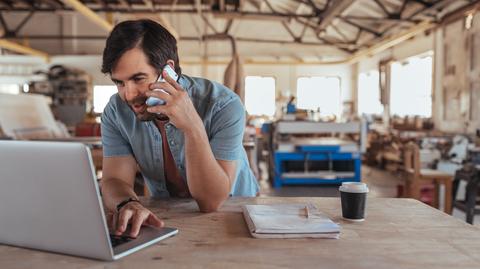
155 41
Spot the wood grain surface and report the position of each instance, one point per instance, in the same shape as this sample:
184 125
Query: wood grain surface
397 233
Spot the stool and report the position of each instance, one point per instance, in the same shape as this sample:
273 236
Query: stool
471 174
418 177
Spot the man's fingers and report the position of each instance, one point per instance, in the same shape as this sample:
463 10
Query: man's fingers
122 222
164 86
137 222
112 221
158 109
154 221
159 94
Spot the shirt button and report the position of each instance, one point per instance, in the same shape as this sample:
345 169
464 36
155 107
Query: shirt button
172 143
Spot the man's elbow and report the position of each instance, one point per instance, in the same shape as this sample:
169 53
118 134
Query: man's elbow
209 206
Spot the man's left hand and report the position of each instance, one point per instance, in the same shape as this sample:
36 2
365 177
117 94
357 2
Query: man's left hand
178 108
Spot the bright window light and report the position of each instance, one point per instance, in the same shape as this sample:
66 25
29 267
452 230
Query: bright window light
322 93
369 93
411 87
10 88
101 96
260 95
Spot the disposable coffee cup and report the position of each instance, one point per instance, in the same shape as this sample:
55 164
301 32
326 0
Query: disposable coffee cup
354 197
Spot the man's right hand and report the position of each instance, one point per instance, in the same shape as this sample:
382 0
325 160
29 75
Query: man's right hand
135 214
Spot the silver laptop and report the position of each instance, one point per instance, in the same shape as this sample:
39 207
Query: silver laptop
50 200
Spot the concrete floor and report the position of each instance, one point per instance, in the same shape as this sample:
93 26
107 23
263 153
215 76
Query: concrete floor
381 184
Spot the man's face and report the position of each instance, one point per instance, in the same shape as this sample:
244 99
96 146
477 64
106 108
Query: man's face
132 75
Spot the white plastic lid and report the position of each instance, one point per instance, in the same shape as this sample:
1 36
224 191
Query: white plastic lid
355 187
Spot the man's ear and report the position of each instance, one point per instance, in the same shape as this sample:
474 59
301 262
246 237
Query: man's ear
171 63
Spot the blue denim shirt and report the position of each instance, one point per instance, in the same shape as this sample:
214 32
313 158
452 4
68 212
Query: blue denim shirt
222 114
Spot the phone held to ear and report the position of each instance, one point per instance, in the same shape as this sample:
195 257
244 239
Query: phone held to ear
153 101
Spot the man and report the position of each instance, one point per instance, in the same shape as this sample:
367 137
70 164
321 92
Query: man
189 147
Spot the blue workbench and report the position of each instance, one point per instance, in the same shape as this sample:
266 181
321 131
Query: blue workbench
330 154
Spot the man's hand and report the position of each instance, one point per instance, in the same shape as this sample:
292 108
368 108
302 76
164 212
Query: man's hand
179 108
135 214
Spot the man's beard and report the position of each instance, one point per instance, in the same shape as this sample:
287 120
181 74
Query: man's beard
143 114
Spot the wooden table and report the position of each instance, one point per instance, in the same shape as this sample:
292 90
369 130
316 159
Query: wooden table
398 233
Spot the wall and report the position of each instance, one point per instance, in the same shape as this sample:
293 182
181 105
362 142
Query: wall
415 46
285 76
457 77
464 108
412 47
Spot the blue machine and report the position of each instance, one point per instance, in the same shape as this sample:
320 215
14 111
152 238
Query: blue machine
324 160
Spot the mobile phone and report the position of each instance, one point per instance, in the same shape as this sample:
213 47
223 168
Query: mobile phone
153 101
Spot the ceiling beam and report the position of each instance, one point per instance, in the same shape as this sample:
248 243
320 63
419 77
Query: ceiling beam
89 14
23 22
379 47
366 29
208 24
340 33
228 26
8 4
341 46
461 12
333 10
157 9
292 34
377 19
9 45
150 4
383 7
427 4
261 16
183 38
402 8
31 4
438 4
124 4
393 41
101 3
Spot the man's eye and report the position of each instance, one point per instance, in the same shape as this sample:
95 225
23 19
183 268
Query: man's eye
138 79
119 83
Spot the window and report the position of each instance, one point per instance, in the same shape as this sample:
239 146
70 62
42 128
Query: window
260 95
411 87
322 93
10 88
369 93
101 96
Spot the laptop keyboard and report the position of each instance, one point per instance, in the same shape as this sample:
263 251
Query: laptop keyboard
119 239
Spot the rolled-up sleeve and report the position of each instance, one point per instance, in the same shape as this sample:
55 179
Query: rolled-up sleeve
114 144
228 125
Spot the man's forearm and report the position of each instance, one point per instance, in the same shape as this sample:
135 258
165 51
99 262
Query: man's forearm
207 181
114 191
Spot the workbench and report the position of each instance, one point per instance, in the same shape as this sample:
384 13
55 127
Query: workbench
397 233
301 158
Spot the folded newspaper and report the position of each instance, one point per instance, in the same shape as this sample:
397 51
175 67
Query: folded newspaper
289 221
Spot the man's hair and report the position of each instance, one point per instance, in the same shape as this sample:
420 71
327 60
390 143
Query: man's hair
154 40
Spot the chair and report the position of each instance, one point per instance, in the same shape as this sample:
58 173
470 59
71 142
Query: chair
418 177
471 174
